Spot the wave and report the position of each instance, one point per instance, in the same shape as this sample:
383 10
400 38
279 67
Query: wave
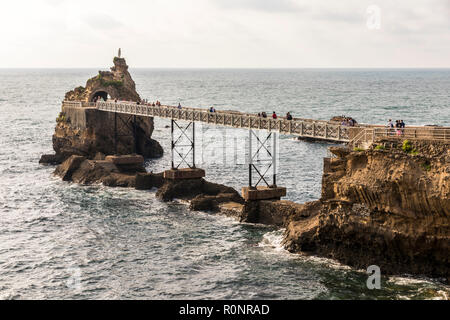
273 239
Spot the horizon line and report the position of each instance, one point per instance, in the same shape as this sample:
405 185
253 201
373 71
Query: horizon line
74 68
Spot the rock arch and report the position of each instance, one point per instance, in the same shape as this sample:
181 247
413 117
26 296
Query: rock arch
101 94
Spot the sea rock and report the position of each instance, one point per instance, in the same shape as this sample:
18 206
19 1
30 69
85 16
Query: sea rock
66 169
199 189
116 83
147 181
90 133
205 202
85 171
94 171
51 159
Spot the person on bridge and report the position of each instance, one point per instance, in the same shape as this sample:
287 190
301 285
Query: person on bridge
179 105
390 127
264 115
288 116
274 115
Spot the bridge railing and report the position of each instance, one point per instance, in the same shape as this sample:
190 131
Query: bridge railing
370 135
416 133
303 128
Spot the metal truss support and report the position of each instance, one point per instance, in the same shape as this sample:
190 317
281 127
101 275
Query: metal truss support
181 140
127 128
264 155
134 135
115 133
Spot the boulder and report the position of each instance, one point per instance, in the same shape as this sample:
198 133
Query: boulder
68 167
190 188
51 159
119 180
93 171
181 189
147 181
205 202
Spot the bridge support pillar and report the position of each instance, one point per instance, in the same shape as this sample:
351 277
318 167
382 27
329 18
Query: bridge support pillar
261 159
183 153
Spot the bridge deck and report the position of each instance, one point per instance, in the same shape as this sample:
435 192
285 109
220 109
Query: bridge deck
305 128
360 136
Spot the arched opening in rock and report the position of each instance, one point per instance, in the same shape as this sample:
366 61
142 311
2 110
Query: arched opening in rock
100 95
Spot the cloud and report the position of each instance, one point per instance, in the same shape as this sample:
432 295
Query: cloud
260 5
102 21
225 33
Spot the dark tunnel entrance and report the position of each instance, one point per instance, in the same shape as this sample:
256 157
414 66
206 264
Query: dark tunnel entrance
99 96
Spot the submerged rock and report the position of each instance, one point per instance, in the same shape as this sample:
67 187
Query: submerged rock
200 191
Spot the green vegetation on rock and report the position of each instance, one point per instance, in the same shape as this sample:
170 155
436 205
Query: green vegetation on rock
426 165
61 117
409 148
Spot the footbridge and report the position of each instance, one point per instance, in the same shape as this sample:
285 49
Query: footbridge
303 128
264 186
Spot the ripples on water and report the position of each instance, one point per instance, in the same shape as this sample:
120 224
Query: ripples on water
63 240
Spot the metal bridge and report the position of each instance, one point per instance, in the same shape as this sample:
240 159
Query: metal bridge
304 128
359 136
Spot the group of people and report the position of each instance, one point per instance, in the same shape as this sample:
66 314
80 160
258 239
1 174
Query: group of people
274 115
152 104
348 121
397 128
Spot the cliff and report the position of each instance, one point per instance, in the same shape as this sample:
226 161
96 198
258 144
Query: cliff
388 206
87 131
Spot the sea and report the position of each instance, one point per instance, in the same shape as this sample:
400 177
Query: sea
62 240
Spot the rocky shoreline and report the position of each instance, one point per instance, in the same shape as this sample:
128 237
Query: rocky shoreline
378 207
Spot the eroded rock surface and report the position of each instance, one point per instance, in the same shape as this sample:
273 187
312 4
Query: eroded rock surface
204 195
384 207
84 171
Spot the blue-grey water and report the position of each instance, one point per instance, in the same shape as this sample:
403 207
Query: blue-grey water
63 240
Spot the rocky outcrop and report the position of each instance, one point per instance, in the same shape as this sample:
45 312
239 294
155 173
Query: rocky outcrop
87 131
384 206
203 195
114 84
113 171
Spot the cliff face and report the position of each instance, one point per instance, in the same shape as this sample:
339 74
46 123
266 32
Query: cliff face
88 131
385 207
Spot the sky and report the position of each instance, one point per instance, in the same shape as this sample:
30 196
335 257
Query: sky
225 33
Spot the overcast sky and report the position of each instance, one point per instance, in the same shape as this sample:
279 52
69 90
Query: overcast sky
225 33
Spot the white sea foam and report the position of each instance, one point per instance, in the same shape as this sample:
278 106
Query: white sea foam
273 239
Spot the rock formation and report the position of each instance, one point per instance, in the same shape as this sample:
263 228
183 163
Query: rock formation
117 84
113 171
86 131
386 206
